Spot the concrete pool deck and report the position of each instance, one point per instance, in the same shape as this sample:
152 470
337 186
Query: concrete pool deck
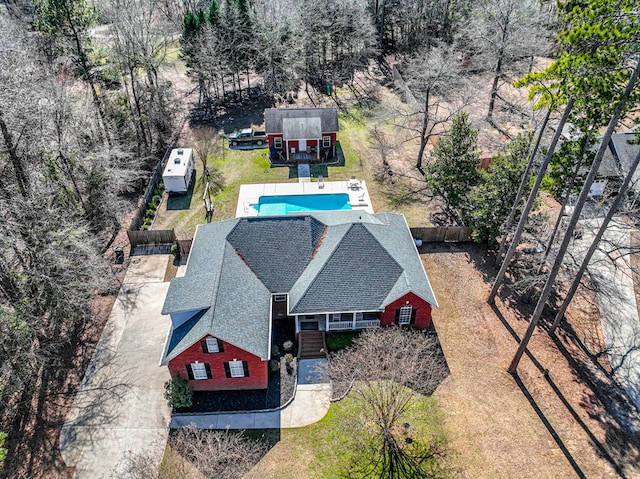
250 194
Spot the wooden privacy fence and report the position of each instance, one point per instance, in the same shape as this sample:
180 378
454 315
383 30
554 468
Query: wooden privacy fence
136 222
151 237
433 234
184 247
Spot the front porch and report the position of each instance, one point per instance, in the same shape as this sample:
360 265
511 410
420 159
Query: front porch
337 321
315 155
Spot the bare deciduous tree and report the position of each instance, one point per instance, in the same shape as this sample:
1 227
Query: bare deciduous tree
501 35
213 454
384 370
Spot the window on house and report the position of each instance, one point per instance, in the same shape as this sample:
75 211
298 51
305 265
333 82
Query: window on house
278 298
405 314
277 142
198 371
212 345
335 317
358 316
236 368
326 142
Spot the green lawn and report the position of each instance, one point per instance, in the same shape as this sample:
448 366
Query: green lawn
325 450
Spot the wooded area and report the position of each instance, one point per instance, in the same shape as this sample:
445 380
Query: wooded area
86 111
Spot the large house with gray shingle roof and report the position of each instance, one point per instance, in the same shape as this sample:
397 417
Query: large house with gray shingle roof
324 271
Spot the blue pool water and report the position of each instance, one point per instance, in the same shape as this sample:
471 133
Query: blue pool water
283 205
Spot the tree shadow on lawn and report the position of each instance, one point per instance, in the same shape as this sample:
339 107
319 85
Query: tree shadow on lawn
620 424
612 430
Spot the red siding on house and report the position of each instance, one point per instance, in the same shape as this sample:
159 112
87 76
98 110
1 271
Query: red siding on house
423 311
270 138
294 143
258 370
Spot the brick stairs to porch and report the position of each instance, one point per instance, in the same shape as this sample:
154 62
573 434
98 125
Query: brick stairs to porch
311 345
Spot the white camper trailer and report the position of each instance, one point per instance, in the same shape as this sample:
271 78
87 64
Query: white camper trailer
179 170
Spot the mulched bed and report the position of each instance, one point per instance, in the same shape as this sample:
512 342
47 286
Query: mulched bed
280 390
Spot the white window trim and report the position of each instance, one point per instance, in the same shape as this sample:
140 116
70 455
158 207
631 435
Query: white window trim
405 314
277 142
212 345
326 142
279 298
236 369
199 371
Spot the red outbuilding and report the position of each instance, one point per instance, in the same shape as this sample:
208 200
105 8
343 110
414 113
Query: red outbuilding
301 134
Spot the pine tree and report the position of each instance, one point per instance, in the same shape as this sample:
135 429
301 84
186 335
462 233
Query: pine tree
455 170
491 201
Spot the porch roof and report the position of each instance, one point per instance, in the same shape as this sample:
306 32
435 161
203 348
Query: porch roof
301 128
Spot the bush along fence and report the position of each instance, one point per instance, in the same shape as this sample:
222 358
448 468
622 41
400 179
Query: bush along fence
143 218
434 234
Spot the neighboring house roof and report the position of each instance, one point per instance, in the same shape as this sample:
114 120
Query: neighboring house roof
625 147
331 261
298 122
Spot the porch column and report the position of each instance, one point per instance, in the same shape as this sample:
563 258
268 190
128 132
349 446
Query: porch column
353 321
286 145
318 146
326 322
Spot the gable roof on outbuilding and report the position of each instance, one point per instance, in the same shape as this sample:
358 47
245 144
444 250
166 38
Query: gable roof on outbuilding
299 122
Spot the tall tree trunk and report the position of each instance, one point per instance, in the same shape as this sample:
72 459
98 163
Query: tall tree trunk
535 317
423 130
527 209
18 165
497 74
594 244
522 188
565 200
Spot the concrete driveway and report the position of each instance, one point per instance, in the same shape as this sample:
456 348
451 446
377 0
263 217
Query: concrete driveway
613 277
119 409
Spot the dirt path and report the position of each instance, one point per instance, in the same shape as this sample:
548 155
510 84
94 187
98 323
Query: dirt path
505 427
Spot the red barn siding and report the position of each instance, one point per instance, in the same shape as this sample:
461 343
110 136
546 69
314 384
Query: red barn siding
258 370
270 138
423 311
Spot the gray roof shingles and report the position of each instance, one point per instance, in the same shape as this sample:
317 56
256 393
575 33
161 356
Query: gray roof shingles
358 276
335 261
301 128
276 249
273 118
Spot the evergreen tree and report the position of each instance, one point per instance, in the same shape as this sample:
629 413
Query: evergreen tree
491 201
455 170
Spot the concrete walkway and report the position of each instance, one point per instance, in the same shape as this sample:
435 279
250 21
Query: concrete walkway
120 409
310 404
304 173
617 303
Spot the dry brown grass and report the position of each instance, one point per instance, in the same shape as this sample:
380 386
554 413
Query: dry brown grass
500 427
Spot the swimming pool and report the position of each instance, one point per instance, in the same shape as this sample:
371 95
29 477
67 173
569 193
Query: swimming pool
283 205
